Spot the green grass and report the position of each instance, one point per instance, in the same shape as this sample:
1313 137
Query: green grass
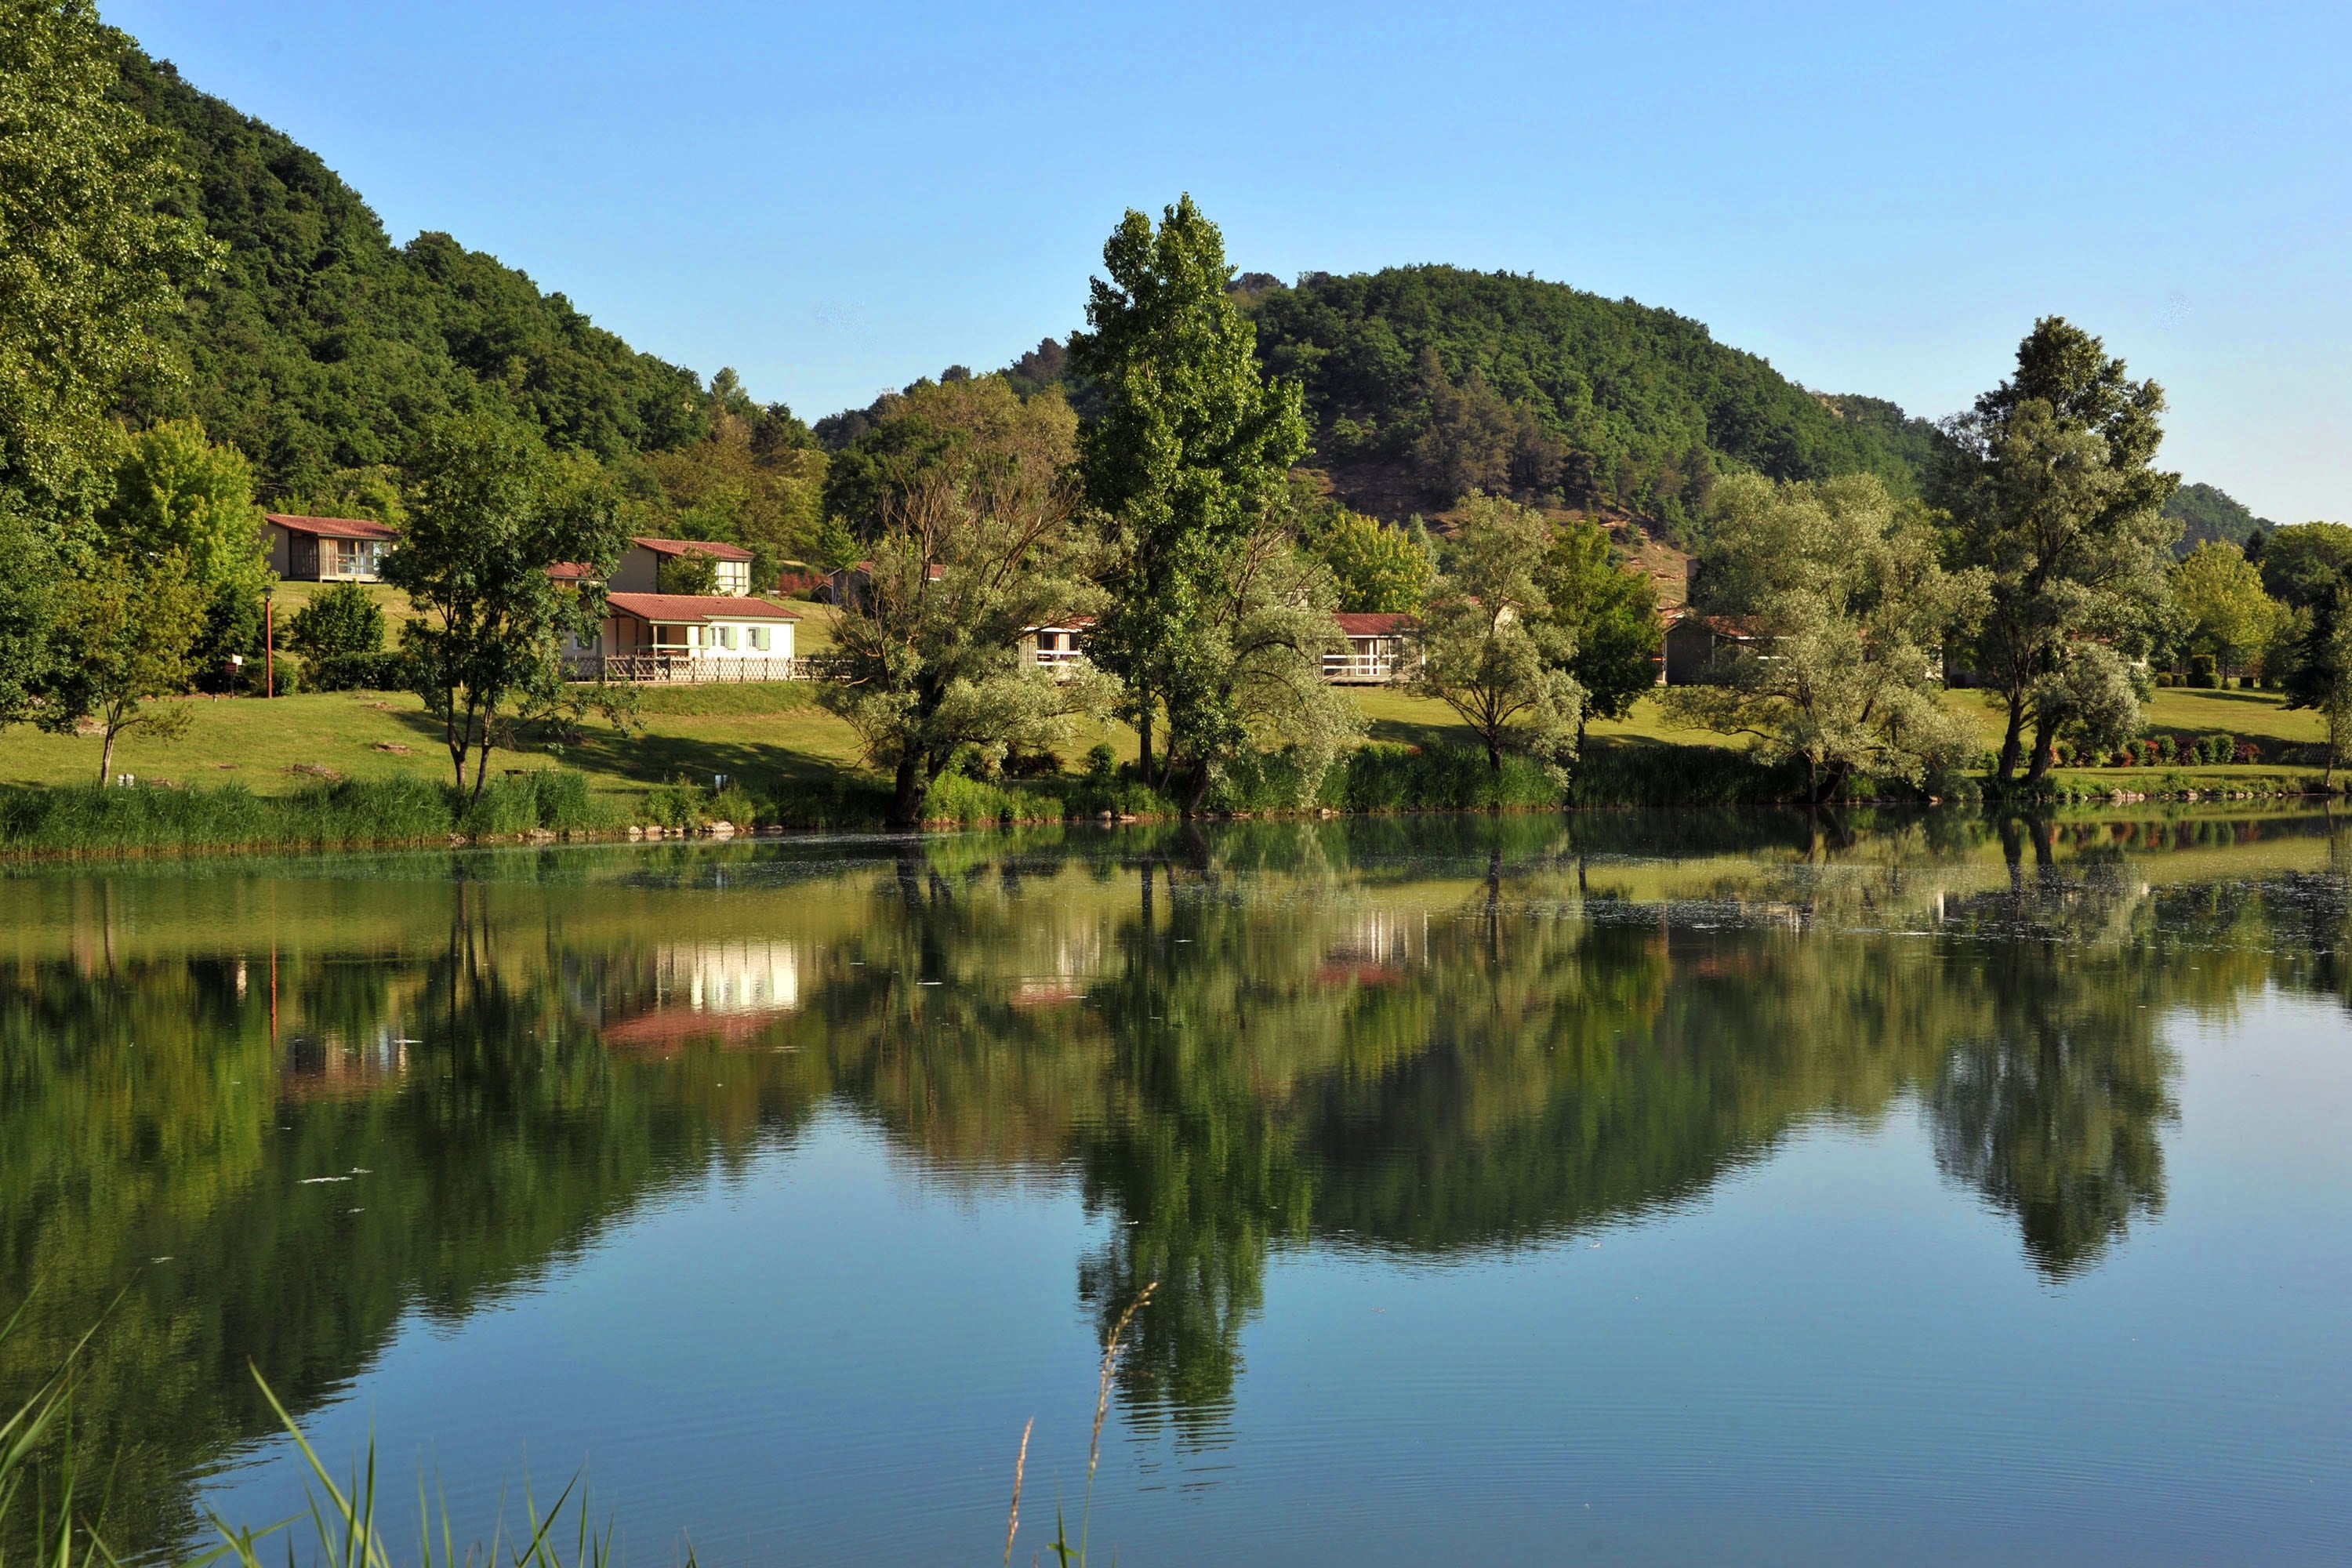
801 762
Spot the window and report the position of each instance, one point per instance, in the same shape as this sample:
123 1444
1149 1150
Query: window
726 637
760 638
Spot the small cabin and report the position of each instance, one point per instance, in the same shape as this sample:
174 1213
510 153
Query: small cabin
639 569
1060 647
328 549
846 587
1699 649
1380 648
690 638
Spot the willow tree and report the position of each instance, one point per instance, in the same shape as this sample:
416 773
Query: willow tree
1845 604
1490 649
969 523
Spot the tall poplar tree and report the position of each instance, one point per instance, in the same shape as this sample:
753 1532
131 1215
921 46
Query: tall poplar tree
2053 490
1186 466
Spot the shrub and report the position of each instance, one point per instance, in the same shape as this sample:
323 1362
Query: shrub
679 803
735 806
1101 762
343 621
359 672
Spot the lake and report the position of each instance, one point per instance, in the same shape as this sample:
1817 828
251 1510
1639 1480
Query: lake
1631 1187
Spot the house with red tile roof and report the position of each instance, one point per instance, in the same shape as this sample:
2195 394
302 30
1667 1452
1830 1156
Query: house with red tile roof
690 638
327 549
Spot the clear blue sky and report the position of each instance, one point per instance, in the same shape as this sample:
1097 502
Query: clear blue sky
1879 199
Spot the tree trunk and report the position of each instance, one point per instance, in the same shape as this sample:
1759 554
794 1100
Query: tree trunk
1143 731
2009 742
1493 753
907 792
106 758
2045 731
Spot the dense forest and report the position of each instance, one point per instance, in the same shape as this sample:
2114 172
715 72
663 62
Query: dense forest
321 343
1435 380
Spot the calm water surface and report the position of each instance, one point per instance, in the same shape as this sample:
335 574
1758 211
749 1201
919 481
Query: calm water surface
1642 1188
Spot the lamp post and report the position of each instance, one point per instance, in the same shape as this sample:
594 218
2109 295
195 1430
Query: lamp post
269 642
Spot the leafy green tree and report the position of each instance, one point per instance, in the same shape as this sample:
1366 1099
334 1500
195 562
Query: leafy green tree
1185 465
2231 618
1840 586
694 572
971 546
174 491
2091 700
343 624
1490 649
1611 612
93 259
2051 483
30 567
97 251
371 492
490 511
128 627
2305 564
1379 567
757 479
2330 692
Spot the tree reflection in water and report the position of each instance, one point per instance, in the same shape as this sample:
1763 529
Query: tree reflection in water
1434 1039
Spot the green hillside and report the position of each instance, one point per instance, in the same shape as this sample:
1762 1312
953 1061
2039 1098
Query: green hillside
323 344
1424 381
2207 513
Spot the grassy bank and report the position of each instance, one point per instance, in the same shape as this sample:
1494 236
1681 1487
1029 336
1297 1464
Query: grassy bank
346 769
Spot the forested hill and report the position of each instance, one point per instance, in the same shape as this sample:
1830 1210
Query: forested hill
1425 381
322 344
2207 513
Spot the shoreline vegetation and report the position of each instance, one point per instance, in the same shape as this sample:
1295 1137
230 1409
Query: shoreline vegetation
557 804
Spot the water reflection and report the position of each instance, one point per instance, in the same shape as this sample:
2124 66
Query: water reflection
293 1105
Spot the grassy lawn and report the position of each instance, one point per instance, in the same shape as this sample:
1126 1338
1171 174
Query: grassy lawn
776 734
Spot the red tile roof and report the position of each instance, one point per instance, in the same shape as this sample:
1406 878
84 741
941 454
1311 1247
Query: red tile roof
711 547
569 571
332 527
680 608
1372 623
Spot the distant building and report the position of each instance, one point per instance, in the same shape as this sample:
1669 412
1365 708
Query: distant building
1059 647
328 549
690 638
1699 649
1380 648
639 570
847 586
